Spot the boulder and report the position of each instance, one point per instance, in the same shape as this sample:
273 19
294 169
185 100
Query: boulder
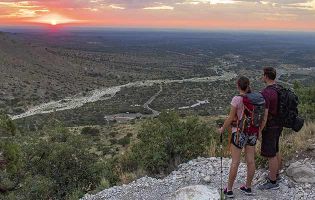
301 172
197 192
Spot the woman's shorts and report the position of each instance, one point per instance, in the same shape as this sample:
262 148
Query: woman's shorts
243 140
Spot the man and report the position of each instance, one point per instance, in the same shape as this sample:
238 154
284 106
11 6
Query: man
271 130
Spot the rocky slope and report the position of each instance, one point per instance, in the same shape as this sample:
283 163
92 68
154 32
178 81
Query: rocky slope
203 177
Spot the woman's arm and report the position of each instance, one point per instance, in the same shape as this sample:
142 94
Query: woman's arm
229 119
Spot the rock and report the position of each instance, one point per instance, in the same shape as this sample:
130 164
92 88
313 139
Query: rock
207 179
197 192
311 147
302 173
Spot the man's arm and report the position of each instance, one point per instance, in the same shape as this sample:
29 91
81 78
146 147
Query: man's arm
264 121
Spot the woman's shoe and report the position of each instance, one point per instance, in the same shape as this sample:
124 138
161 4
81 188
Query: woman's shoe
246 191
228 194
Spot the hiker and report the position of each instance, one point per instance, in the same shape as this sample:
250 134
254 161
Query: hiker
271 130
242 136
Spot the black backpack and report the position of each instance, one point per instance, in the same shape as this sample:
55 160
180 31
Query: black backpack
288 114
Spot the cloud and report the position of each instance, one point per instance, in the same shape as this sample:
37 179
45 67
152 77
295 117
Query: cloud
20 9
162 7
310 5
117 7
211 2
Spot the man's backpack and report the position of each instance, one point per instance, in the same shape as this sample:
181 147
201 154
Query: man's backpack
254 109
288 114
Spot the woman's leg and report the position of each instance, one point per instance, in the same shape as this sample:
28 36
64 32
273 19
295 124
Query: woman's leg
236 156
250 161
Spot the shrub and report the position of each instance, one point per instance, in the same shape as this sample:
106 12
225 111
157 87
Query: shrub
307 101
124 141
90 131
12 155
7 126
113 141
37 187
167 141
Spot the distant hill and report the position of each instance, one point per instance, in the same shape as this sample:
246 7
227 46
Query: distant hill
31 74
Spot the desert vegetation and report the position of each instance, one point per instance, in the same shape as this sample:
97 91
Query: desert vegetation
65 163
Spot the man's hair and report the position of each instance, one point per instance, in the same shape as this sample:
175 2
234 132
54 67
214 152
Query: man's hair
243 83
270 72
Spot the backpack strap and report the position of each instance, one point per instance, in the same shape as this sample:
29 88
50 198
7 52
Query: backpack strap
275 87
237 127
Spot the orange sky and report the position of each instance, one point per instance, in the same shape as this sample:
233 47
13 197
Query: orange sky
296 15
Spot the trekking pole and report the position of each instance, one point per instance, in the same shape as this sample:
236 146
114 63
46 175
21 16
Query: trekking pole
221 158
221 148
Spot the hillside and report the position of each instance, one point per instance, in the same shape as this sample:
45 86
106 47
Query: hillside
297 177
33 74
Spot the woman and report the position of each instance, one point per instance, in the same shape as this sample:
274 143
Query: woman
240 140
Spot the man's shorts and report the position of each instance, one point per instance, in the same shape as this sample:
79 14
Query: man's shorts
243 140
270 141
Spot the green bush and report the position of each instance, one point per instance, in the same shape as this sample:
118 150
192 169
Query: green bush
113 141
167 141
12 155
111 171
70 168
124 141
90 131
37 187
7 126
307 101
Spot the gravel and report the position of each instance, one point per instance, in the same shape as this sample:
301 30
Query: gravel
203 171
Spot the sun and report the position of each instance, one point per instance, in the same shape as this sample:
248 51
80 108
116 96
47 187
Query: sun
53 22
54 19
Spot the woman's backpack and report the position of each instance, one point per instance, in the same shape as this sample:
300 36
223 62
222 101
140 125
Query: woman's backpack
253 114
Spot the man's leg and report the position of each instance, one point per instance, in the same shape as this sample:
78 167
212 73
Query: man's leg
273 168
279 159
269 150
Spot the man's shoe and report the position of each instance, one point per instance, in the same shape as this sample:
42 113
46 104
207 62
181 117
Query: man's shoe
246 191
269 186
228 194
279 178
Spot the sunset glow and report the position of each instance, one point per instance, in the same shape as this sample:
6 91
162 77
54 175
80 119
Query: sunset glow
53 22
206 14
53 19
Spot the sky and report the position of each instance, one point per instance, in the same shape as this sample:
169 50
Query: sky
296 15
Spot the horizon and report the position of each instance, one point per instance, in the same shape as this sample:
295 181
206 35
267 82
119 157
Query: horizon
204 15
67 28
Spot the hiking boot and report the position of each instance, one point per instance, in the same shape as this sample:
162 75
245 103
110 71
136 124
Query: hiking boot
228 194
246 191
269 186
279 178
